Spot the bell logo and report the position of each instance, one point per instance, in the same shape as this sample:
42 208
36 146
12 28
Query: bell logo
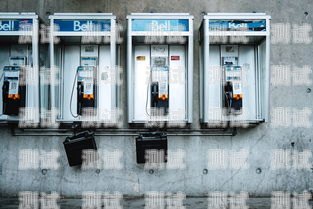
237 26
6 25
88 26
156 26
166 25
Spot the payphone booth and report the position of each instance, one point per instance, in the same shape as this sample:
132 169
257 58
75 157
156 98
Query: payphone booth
159 67
234 63
19 68
83 55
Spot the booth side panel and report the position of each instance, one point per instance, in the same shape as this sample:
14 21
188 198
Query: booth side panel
177 82
262 71
4 61
141 77
105 80
247 60
71 53
214 89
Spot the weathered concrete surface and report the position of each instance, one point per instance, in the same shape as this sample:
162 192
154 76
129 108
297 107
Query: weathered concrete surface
130 203
133 179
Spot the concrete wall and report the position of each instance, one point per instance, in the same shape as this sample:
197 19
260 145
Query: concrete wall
133 179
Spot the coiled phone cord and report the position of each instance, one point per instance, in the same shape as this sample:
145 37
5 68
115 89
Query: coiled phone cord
71 101
149 82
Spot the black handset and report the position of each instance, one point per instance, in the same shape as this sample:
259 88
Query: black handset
79 97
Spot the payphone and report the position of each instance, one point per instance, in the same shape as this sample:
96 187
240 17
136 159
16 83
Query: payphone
19 65
232 80
159 87
160 60
14 89
86 77
83 67
86 88
234 68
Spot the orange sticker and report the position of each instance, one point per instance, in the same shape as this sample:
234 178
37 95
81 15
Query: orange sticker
140 58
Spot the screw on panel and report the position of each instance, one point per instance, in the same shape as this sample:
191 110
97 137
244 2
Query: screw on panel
306 13
98 171
258 171
308 90
151 171
205 171
44 171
